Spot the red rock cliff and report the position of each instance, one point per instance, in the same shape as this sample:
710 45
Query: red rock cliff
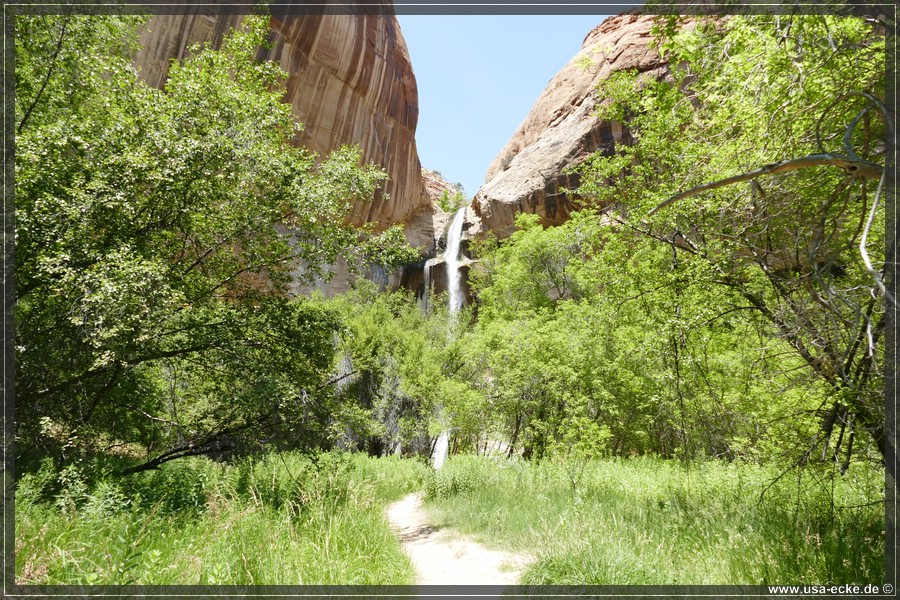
561 130
350 82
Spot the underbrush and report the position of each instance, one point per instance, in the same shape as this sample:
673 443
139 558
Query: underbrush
285 519
648 521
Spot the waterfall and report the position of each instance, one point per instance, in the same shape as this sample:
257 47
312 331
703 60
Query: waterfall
455 297
451 259
441 448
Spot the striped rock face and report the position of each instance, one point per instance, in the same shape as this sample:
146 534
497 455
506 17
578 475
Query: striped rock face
350 82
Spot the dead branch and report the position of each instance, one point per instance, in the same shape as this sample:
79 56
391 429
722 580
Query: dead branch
857 168
864 241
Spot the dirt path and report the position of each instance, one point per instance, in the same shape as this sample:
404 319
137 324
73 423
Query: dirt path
442 556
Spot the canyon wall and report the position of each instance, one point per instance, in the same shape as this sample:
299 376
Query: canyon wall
350 82
561 130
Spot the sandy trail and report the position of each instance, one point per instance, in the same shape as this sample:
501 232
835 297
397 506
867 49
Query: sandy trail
445 557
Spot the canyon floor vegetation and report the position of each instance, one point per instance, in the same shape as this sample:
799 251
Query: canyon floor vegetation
290 519
681 384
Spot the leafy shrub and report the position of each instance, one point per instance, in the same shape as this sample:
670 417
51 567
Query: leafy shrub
175 487
74 490
105 500
39 485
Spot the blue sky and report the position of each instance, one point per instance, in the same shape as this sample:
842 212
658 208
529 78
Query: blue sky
478 77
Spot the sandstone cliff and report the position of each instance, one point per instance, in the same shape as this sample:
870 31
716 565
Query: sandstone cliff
350 82
527 175
432 220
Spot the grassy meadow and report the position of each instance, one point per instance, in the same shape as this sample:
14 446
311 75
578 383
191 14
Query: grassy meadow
651 521
288 519
296 519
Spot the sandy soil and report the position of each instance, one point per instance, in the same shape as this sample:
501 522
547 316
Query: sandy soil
443 556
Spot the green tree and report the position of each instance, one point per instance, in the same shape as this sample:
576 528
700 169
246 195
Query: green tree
650 355
450 203
156 234
790 106
406 380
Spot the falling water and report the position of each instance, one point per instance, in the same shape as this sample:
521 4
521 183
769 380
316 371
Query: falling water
456 299
451 259
441 447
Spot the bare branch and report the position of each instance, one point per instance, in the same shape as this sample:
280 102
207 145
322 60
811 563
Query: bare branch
181 452
848 133
864 240
209 444
339 378
857 168
151 417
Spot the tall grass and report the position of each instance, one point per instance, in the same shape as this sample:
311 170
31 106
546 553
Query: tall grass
651 521
286 519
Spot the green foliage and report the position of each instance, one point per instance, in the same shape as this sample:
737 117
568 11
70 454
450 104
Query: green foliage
450 203
389 249
53 54
288 519
403 365
152 264
747 92
645 355
648 521
535 268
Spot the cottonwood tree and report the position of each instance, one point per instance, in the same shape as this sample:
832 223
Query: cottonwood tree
152 260
760 163
594 372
